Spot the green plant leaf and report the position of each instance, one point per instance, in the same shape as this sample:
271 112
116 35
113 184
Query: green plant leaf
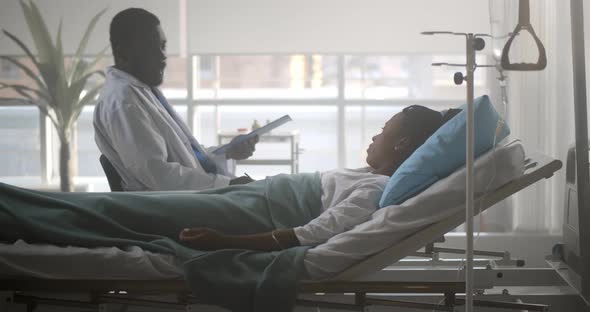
39 31
85 66
80 69
64 100
49 74
77 86
47 112
28 97
22 88
89 96
59 87
27 71
9 99
59 56
82 80
83 43
22 46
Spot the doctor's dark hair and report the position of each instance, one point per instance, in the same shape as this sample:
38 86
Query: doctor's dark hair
130 24
421 122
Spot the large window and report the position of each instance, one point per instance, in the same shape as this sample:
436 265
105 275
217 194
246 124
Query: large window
20 145
20 149
266 76
323 94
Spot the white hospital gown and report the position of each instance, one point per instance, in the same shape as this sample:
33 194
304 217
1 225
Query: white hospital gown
349 198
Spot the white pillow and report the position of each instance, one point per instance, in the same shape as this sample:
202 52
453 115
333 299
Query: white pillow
389 225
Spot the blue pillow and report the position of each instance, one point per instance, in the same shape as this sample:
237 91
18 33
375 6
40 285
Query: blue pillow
444 152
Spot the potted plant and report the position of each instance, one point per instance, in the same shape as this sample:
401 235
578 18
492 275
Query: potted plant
59 90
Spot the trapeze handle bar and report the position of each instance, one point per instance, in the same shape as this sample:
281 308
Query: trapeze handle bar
524 24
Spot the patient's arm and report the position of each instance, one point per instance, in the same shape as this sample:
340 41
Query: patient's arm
210 239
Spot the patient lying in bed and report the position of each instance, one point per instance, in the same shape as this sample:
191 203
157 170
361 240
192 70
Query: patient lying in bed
274 214
349 197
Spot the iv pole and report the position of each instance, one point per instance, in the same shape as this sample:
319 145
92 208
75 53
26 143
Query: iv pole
474 42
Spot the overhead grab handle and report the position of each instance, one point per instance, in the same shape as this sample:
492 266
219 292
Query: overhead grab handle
524 24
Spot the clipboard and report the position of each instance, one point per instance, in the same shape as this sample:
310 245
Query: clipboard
260 131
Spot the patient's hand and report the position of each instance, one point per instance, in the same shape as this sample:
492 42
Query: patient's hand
203 238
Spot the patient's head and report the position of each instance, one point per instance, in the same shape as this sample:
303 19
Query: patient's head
139 45
402 135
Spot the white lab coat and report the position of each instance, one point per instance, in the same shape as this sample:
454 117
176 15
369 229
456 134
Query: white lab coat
148 147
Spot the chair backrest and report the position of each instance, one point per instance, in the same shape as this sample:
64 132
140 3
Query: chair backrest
112 175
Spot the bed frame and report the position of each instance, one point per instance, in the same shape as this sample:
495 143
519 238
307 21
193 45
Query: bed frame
355 280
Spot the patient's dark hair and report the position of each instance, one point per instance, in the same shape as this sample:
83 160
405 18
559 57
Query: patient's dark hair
421 122
129 25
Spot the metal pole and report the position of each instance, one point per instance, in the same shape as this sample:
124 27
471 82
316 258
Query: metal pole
581 126
469 181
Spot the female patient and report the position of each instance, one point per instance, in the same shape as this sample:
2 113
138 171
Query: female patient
272 214
348 197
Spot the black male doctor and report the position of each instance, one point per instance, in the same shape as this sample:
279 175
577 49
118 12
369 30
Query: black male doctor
151 148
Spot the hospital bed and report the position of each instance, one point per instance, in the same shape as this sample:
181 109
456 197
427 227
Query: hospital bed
358 279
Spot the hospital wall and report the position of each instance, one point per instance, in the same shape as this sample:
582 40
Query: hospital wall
267 26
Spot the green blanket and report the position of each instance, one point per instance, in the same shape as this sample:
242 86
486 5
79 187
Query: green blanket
240 280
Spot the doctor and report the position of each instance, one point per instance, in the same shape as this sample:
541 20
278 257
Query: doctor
138 131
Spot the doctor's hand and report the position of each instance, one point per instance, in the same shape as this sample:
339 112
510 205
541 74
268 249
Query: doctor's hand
241 180
242 150
204 238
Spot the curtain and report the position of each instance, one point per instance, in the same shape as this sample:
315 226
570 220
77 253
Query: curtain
540 108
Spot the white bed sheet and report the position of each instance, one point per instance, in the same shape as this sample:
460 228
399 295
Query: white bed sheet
112 263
